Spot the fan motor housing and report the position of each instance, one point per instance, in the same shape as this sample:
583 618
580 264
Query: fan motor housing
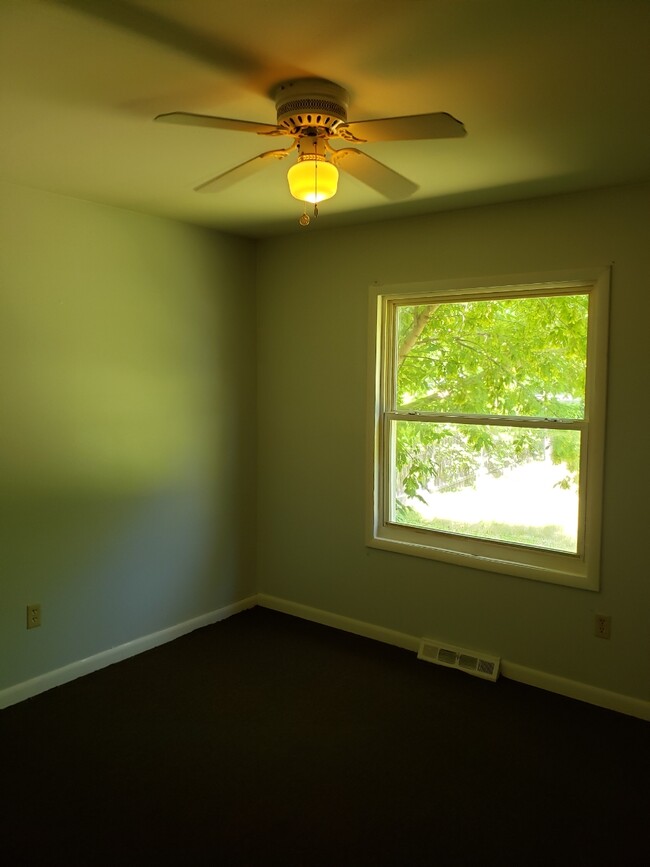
311 103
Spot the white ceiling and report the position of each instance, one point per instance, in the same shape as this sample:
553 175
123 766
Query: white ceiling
553 93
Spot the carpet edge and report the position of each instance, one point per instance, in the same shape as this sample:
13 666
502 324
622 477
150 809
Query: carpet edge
58 676
598 696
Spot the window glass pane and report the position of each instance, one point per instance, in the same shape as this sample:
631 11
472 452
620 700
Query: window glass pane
510 484
517 356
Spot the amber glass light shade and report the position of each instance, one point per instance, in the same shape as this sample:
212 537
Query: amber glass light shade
313 179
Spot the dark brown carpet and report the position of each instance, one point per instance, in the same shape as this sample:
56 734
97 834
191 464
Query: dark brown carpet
268 740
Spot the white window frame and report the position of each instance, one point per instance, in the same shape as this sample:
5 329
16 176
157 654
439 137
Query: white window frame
580 570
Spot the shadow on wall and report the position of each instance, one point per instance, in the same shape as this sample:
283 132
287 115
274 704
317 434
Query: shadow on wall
109 570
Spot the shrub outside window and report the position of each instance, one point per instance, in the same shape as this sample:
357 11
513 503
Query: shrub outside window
488 424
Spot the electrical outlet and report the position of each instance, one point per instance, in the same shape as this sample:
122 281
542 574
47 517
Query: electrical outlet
33 616
602 626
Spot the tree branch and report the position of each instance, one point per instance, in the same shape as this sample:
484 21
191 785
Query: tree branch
413 335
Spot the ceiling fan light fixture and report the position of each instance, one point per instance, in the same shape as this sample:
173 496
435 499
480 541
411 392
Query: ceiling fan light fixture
313 179
314 111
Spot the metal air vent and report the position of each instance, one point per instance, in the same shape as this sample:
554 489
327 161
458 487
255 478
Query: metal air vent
478 664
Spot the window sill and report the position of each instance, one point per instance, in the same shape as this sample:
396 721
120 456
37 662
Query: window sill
568 571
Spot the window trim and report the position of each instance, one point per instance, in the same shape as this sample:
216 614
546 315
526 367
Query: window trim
580 570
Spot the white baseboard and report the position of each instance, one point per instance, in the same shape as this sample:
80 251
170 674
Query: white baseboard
59 676
338 621
552 683
575 689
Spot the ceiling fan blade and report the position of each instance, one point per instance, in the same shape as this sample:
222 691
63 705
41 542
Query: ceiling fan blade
186 118
407 128
370 171
243 170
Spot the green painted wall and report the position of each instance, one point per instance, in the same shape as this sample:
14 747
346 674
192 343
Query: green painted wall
131 361
312 349
127 432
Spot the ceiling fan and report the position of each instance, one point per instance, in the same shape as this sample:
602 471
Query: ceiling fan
313 111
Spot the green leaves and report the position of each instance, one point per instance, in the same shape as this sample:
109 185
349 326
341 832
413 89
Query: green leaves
509 357
517 356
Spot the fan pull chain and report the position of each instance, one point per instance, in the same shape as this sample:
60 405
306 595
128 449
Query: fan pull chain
315 179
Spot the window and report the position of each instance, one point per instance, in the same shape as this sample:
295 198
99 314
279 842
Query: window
488 424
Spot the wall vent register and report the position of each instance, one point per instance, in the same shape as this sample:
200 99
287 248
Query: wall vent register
478 664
